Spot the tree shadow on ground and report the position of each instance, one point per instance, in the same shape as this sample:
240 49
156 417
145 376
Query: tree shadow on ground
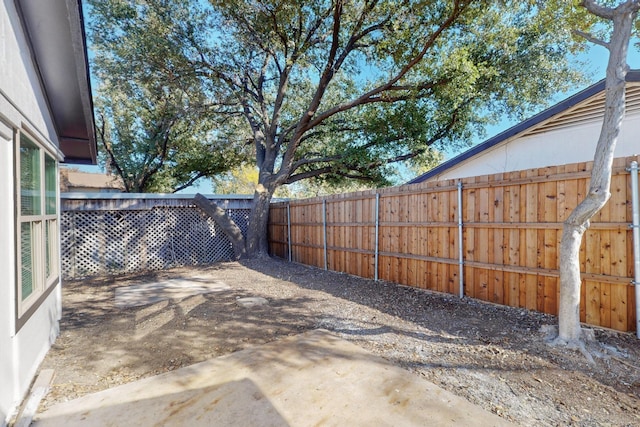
454 343
495 332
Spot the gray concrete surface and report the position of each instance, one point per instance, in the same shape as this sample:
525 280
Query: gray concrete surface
312 379
178 288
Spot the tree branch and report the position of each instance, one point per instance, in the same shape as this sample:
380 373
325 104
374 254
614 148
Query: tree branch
229 227
323 171
107 147
373 95
308 174
200 174
441 133
279 101
165 131
598 10
329 70
592 38
307 161
321 132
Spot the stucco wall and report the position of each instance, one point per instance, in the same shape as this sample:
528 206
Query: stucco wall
22 106
558 147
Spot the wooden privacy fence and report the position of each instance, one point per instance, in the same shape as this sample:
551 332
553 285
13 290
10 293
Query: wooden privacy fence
510 228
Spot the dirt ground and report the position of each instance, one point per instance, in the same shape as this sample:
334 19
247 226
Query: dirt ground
491 355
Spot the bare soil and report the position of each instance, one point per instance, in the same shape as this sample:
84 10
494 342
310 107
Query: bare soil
491 355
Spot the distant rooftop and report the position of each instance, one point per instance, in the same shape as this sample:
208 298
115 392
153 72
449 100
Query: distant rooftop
75 180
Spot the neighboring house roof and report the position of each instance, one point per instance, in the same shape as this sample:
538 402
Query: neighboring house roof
55 30
75 180
571 111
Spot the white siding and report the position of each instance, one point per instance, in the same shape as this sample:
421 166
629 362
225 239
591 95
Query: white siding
22 101
557 147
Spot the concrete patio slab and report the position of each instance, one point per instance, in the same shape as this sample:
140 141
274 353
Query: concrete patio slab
178 288
312 379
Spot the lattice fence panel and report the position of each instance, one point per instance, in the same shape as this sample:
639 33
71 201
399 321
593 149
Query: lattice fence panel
115 245
85 236
67 243
111 242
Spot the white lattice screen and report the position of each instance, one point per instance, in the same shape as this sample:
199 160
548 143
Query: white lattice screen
95 242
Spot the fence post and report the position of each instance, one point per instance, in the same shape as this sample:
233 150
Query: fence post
324 228
636 239
377 235
289 229
460 244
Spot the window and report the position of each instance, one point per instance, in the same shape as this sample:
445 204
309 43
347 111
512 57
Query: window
37 226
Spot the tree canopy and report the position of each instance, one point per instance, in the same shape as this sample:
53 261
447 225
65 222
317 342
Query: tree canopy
342 90
156 130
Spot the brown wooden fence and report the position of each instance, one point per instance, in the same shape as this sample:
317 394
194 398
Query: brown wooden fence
512 224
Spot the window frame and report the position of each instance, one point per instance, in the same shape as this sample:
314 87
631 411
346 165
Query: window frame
44 237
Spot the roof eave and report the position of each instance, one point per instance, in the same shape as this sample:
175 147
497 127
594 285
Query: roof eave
632 76
55 30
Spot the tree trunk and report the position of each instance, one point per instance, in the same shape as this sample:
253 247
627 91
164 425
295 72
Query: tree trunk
257 233
569 331
229 227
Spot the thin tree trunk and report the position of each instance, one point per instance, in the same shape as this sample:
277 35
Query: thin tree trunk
569 331
229 227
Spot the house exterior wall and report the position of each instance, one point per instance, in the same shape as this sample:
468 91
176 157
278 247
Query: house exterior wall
7 278
572 144
22 107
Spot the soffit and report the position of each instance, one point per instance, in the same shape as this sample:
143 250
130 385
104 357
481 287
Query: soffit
56 35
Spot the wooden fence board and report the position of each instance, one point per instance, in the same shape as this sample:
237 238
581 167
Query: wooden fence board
606 253
512 226
513 289
522 289
550 295
540 293
618 253
444 277
605 305
631 309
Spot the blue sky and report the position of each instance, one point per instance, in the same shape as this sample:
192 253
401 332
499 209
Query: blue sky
594 62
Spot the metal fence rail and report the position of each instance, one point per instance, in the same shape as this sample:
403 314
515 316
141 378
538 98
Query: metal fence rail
493 238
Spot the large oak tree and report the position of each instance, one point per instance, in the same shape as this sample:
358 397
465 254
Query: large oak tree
343 89
156 126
